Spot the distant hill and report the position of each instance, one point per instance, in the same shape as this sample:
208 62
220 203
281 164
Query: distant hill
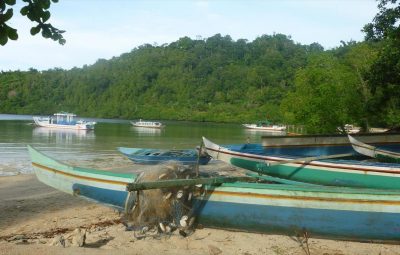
215 79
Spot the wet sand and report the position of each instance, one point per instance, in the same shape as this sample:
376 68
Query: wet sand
32 215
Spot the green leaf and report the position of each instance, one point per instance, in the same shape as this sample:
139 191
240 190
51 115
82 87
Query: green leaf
12 34
46 16
24 10
45 4
46 33
6 16
10 2
3 38
54 1
35 30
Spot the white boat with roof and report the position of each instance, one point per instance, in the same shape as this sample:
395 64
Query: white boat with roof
63 120
147 124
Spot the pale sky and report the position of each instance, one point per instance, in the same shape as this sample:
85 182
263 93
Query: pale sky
102 29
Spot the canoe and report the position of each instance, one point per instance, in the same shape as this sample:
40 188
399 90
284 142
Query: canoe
374 152
156 156
324 212
311 145
333 172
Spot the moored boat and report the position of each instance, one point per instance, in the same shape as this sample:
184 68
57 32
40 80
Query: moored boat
310 145
147 124
325 212
266 126
335 172
156 156
63 120
374 152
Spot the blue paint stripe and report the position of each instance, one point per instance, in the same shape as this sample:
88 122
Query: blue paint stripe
115 198
289 220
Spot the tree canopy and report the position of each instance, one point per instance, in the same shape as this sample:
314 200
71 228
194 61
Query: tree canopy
36 11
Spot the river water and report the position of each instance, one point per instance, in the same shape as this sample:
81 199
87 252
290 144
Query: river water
17 131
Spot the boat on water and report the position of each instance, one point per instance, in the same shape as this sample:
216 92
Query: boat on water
374 152
63 120
333 170
320 211
266 126
147 124
156 156
311 145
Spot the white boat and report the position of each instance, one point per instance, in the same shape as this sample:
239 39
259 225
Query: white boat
147 124
266 126
349 129
63 120
374 152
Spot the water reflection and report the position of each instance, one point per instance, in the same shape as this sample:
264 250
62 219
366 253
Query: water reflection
65 136
142 131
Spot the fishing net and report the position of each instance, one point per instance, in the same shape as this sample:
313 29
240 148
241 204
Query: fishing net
162 211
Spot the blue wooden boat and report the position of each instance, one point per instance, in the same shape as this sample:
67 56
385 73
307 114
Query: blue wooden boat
311 145
334 172
325 212
156 156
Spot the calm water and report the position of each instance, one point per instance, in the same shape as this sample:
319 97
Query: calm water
16 131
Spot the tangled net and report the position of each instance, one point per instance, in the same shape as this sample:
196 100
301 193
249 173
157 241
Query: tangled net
162 211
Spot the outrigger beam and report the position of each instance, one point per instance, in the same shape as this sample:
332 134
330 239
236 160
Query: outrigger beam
185 182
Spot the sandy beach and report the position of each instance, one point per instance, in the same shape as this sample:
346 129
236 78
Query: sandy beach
34 216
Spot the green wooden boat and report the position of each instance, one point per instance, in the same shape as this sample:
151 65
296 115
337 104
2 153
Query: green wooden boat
337 172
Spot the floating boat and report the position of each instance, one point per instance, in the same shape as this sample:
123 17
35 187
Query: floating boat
374 152
147 124
323 170
156 156
318 211
349 129
63 120
266 126
310 145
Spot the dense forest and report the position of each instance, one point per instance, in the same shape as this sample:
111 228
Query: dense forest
223 80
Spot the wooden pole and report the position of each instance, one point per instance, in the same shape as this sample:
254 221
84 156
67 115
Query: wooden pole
184 182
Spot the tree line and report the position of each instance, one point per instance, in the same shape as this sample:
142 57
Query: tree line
223 80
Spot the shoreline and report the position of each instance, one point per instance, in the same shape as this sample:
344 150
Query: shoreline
33 214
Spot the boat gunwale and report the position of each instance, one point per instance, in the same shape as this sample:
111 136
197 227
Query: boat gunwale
347 166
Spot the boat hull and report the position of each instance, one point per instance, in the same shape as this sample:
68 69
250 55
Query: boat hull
77 126
274 128
325 212
155 156
329 172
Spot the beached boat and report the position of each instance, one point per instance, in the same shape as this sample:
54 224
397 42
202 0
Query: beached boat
326 212
156 156
147 124
266 126
374 152
322 170
63 120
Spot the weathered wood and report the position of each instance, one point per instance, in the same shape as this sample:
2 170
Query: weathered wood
184 182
